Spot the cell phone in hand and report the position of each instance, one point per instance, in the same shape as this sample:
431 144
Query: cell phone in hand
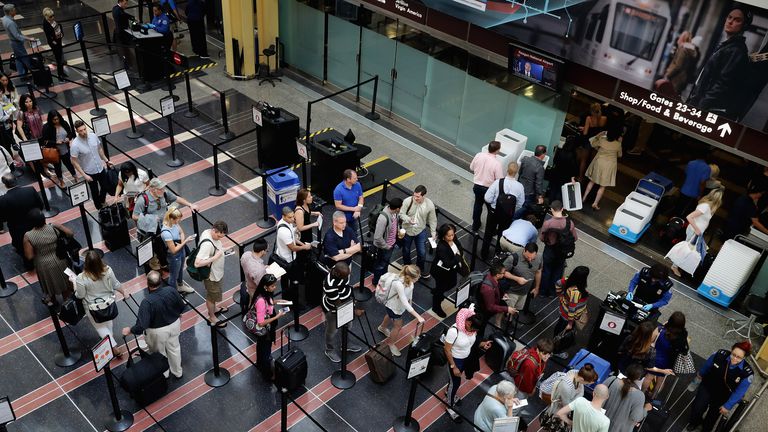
286 310
191 236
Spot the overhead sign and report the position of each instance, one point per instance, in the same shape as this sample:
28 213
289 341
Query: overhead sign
705 124
413 10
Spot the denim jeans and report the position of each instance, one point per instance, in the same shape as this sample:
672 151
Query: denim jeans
553 266
527 205
421 249
383 256
176 268
477 208
21 57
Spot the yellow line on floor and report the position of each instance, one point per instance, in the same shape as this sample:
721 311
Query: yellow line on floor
405 176
375 161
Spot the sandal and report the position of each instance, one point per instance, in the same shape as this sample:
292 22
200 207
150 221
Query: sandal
220 324
222 310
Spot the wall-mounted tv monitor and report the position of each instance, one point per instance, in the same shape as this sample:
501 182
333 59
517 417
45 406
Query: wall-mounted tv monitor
535 67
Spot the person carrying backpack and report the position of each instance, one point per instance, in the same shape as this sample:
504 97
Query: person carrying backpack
395 291
385 236
559 236
504 198
527 365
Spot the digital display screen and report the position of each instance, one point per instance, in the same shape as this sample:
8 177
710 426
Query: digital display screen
535 67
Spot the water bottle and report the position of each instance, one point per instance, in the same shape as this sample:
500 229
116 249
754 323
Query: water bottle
694 384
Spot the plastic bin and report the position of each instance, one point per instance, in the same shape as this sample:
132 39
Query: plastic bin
601 366
282 186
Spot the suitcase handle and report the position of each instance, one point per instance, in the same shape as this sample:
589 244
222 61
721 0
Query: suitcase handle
416 333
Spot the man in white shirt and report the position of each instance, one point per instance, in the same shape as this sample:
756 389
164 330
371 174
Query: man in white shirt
499 218
211 254
486 169
587 416
286 246
89 160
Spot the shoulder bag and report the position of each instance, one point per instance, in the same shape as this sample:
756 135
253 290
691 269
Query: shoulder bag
103 310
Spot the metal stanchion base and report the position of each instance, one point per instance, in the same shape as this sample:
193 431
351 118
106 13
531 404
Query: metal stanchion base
526 317
400 425
372 116
236 297
266 223
175 163
343 380
9 290
362 294
49 94
98 111
98 251
217 381
191 114
297 333
216 191
114 425
133 135
67 361
51 213
143 87
226 135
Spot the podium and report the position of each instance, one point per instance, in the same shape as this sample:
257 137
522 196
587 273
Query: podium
615 321
148 50
277 139
331 155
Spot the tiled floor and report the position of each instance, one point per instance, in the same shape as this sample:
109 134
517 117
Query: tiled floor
51 398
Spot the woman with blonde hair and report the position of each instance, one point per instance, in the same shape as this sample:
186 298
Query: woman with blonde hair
399 298
698 219
96 285
176 242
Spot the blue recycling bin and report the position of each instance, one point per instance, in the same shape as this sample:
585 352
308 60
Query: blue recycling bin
282 187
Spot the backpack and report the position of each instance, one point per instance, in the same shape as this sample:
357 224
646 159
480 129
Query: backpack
502 256
566 243
516 361
384 287
506 204
198 273
373 218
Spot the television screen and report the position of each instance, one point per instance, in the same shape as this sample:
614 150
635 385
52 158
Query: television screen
535 67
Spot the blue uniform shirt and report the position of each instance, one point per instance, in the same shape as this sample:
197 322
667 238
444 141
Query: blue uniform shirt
349 197
663 301
741 389
162 24
696 172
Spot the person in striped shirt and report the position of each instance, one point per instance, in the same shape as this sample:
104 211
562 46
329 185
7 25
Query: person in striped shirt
573 295
336 291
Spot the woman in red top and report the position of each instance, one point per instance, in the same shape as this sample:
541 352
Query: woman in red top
573 300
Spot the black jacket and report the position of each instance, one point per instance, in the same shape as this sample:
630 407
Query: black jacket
48 137
14 206
448 268
50 33
721 83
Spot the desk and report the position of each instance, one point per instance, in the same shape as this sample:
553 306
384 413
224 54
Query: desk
604 342
330 157
148 48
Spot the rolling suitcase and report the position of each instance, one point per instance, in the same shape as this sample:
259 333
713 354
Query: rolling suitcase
379 359
143 378
500 351
114 226
421 345
290 368
659 414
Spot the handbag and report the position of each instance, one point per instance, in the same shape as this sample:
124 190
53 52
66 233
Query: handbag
67 248
251 323
564 340
72 311
464 269
50 155
685 255
684 364
101 314
582 321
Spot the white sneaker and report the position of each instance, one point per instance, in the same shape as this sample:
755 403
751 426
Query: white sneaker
383 331
186 289
395 352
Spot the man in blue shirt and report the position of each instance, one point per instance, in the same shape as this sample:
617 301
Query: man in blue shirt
519 234
697 172
340 242
348 196
162 24
725 378
17 38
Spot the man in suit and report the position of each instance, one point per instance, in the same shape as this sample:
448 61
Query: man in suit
14 206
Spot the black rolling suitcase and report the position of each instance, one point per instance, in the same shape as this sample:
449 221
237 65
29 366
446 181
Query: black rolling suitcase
114 226
143 377
500 351
659 414
290 368
41 74
422 345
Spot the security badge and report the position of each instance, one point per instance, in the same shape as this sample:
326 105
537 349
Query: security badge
738 379
658 292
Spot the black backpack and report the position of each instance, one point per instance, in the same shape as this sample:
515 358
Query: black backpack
373 218
505 203
502 256
566 243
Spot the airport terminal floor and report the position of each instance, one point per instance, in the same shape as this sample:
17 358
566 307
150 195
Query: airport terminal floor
220 178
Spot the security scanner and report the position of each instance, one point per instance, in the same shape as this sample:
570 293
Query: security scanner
635 214
512 145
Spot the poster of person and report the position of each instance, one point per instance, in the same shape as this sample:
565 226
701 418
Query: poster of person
708 54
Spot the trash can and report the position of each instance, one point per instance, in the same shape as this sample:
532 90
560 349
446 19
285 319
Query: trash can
282 186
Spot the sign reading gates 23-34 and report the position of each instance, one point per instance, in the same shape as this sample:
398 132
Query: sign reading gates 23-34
708 125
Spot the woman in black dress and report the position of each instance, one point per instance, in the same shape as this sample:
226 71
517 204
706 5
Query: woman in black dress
445 267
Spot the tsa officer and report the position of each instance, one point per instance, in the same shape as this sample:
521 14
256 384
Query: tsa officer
651 286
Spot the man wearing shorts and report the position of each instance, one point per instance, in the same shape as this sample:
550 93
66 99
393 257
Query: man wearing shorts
211 254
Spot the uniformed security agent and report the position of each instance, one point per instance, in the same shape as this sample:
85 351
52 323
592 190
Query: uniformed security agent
725 378
651 286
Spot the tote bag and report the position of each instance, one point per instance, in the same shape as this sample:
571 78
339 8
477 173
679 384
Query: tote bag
685 255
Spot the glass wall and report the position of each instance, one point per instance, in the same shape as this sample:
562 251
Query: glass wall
441 88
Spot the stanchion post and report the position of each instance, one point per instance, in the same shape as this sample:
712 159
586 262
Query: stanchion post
120 420
218 376
175 161
216 189
133 133
96 111
407 423
362 293
70 119
283 410
296 332
195 225
48 210
373 115
266 222
191 111
105 26
236 294
475 240
227 134
384 190
65 358
7 288
343 379
87 229
105 146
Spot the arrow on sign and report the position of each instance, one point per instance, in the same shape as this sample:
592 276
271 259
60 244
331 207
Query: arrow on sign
725 129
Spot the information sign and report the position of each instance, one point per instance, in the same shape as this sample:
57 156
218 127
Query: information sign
102 354
345 313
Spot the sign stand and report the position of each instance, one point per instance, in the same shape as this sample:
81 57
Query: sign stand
123 82
32 152
407 423
102 128
7 288
65 358
167 108
119 420
6 413
343 379
79 195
